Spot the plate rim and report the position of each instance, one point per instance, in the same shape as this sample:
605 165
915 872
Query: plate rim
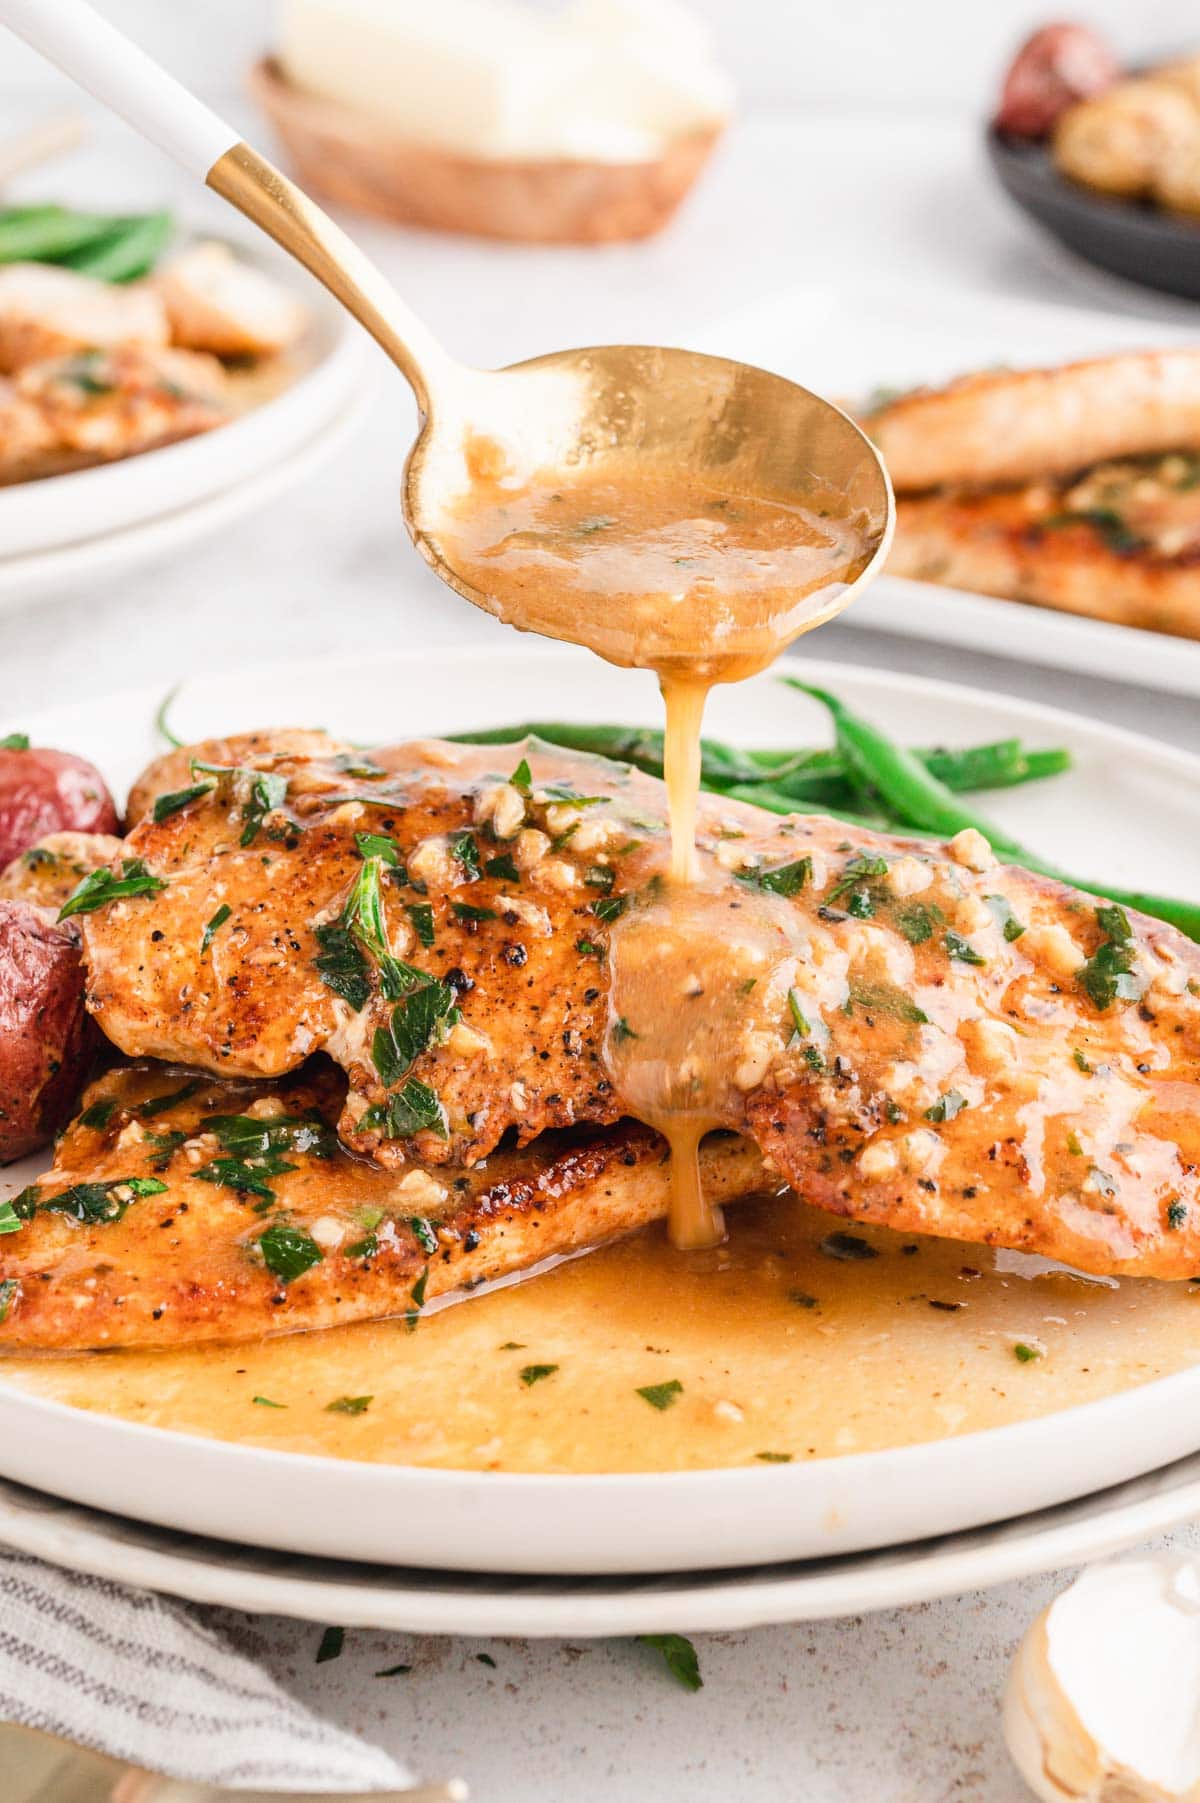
687 1486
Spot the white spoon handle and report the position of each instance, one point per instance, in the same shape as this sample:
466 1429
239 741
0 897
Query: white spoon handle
96 55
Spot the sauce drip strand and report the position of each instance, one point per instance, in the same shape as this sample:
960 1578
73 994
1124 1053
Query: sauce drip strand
656 569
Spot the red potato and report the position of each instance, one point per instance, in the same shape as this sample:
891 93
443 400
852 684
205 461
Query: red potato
49 792
46 1038
1057 66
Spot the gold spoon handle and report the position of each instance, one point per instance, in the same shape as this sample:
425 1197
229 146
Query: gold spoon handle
70 34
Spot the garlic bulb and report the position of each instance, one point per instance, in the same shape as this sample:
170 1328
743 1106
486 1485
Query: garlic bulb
1103 1701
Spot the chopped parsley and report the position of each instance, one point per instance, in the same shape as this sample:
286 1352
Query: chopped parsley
91 1204
785 879
1001 908
424 1234
1109 976
466 912
797 1013
1105 521
621 1030
947 1107
10 1220
342 965
166 805
349 1405
393 1671
288 1252
503 868
210 932
588 948
378 845
98 1114
465 852
418 1021
522 777
533 1374
600 876
332 1642
1176 1214
861 886
416 1301
917 921
886 999
153 1105
848 1247
421 915
410 1110
774 1458
610 907
99 887
15 741
263 792
1024 1354
962 949
679 1655
264 1402
10 1289
662 1396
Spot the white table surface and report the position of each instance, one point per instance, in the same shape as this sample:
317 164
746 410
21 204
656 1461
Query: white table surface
892 1707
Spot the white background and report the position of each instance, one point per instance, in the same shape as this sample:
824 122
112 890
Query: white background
783 53
857 162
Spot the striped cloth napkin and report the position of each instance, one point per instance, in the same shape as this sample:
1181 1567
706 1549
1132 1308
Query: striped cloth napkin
151 1682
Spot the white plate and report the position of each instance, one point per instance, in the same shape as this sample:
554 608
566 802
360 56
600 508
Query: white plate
849 344
43 573
71 510
401 1599
1134 811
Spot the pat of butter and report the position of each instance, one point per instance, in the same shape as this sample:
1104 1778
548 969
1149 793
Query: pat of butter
601 81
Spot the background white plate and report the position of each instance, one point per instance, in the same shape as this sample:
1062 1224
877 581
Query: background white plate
71 510
847 344
1131 812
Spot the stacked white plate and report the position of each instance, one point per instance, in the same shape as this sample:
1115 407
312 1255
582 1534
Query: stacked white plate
94 523
723 1549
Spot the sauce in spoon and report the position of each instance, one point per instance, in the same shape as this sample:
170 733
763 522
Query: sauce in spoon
656 568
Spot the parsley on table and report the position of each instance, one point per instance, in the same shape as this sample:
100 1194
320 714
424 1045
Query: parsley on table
679 1655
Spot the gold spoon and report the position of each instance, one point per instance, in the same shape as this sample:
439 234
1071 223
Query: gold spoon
610 406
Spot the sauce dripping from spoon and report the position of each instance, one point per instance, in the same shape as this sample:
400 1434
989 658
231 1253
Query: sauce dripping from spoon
658 569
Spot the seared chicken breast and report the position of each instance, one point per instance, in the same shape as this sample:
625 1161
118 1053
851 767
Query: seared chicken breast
986 1054
217 303
1012 426
1121 543
47 312
182 1208
98 405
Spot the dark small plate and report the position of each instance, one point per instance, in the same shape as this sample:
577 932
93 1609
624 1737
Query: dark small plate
1130 238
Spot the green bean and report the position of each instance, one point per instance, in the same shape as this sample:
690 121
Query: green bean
916 797
46 234
127 250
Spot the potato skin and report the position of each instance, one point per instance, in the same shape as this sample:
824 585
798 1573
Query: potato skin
43 791
46 1039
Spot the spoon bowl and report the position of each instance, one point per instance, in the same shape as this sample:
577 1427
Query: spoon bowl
636 414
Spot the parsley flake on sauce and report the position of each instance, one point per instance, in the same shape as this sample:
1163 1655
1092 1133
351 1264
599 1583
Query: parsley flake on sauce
662 1396
349 1405
288 1252
533 1374
1109 975
210 932
785 879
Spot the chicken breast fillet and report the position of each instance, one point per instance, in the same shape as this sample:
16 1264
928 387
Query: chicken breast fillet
989 1055
47 312
215 302
182 1208
1122 543
1010 426
99 405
